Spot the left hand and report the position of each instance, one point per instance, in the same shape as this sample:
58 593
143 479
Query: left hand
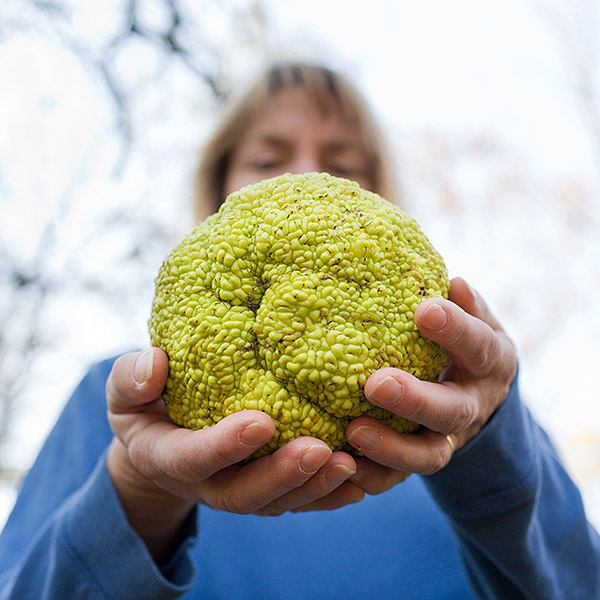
482 364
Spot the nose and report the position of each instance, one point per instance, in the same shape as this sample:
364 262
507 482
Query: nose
305 163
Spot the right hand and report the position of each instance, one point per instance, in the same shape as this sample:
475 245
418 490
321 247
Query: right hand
160 468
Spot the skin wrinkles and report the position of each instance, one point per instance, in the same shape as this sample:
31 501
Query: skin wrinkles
294 135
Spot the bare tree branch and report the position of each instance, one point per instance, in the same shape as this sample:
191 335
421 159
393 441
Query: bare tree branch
180 40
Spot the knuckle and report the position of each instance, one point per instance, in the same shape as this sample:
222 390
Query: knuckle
240 504
310 494
185 464
143 460
508 360
462 416
235 507
439 458
226 454
478 351
456 337
480 347
420 406
483 352
110 390
184 470
290 481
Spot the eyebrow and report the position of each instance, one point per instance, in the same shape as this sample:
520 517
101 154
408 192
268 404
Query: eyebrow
273 140
337 145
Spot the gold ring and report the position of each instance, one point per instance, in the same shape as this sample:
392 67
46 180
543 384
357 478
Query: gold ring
451 443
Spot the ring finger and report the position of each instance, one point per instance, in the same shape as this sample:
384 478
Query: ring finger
424 452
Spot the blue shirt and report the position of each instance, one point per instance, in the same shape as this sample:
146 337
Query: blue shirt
502 520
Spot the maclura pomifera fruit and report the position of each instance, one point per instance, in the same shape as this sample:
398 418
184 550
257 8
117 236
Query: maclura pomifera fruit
287 299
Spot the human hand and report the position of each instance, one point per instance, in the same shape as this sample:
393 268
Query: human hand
161 469
481 367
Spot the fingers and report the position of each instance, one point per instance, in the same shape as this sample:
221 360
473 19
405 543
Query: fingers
189 457
374 478
476 343
302 475
266 479
133 391
346 493
481 366
424 452
471 343
308 491
298 476
469 300
443 408
169 455
204 465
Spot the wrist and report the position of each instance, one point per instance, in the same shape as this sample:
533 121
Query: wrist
155 514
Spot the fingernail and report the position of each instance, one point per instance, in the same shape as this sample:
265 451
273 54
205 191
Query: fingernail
314 458
387 391
255 434
365 438
142 370
338 474
434 318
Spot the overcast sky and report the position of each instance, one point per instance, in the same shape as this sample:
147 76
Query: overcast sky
495 77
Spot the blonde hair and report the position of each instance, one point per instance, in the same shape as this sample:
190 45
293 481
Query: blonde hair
324 86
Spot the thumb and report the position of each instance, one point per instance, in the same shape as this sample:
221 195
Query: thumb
136 380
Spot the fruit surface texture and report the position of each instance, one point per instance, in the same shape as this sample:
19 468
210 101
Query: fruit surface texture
287 299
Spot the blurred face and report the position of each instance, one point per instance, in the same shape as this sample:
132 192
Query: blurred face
293 135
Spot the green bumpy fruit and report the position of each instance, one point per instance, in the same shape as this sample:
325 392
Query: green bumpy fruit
287 299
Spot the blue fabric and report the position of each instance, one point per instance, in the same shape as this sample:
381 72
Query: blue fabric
502 520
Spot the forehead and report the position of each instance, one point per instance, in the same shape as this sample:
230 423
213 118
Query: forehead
293 111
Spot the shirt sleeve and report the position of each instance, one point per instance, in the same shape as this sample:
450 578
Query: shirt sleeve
518 516
68 536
